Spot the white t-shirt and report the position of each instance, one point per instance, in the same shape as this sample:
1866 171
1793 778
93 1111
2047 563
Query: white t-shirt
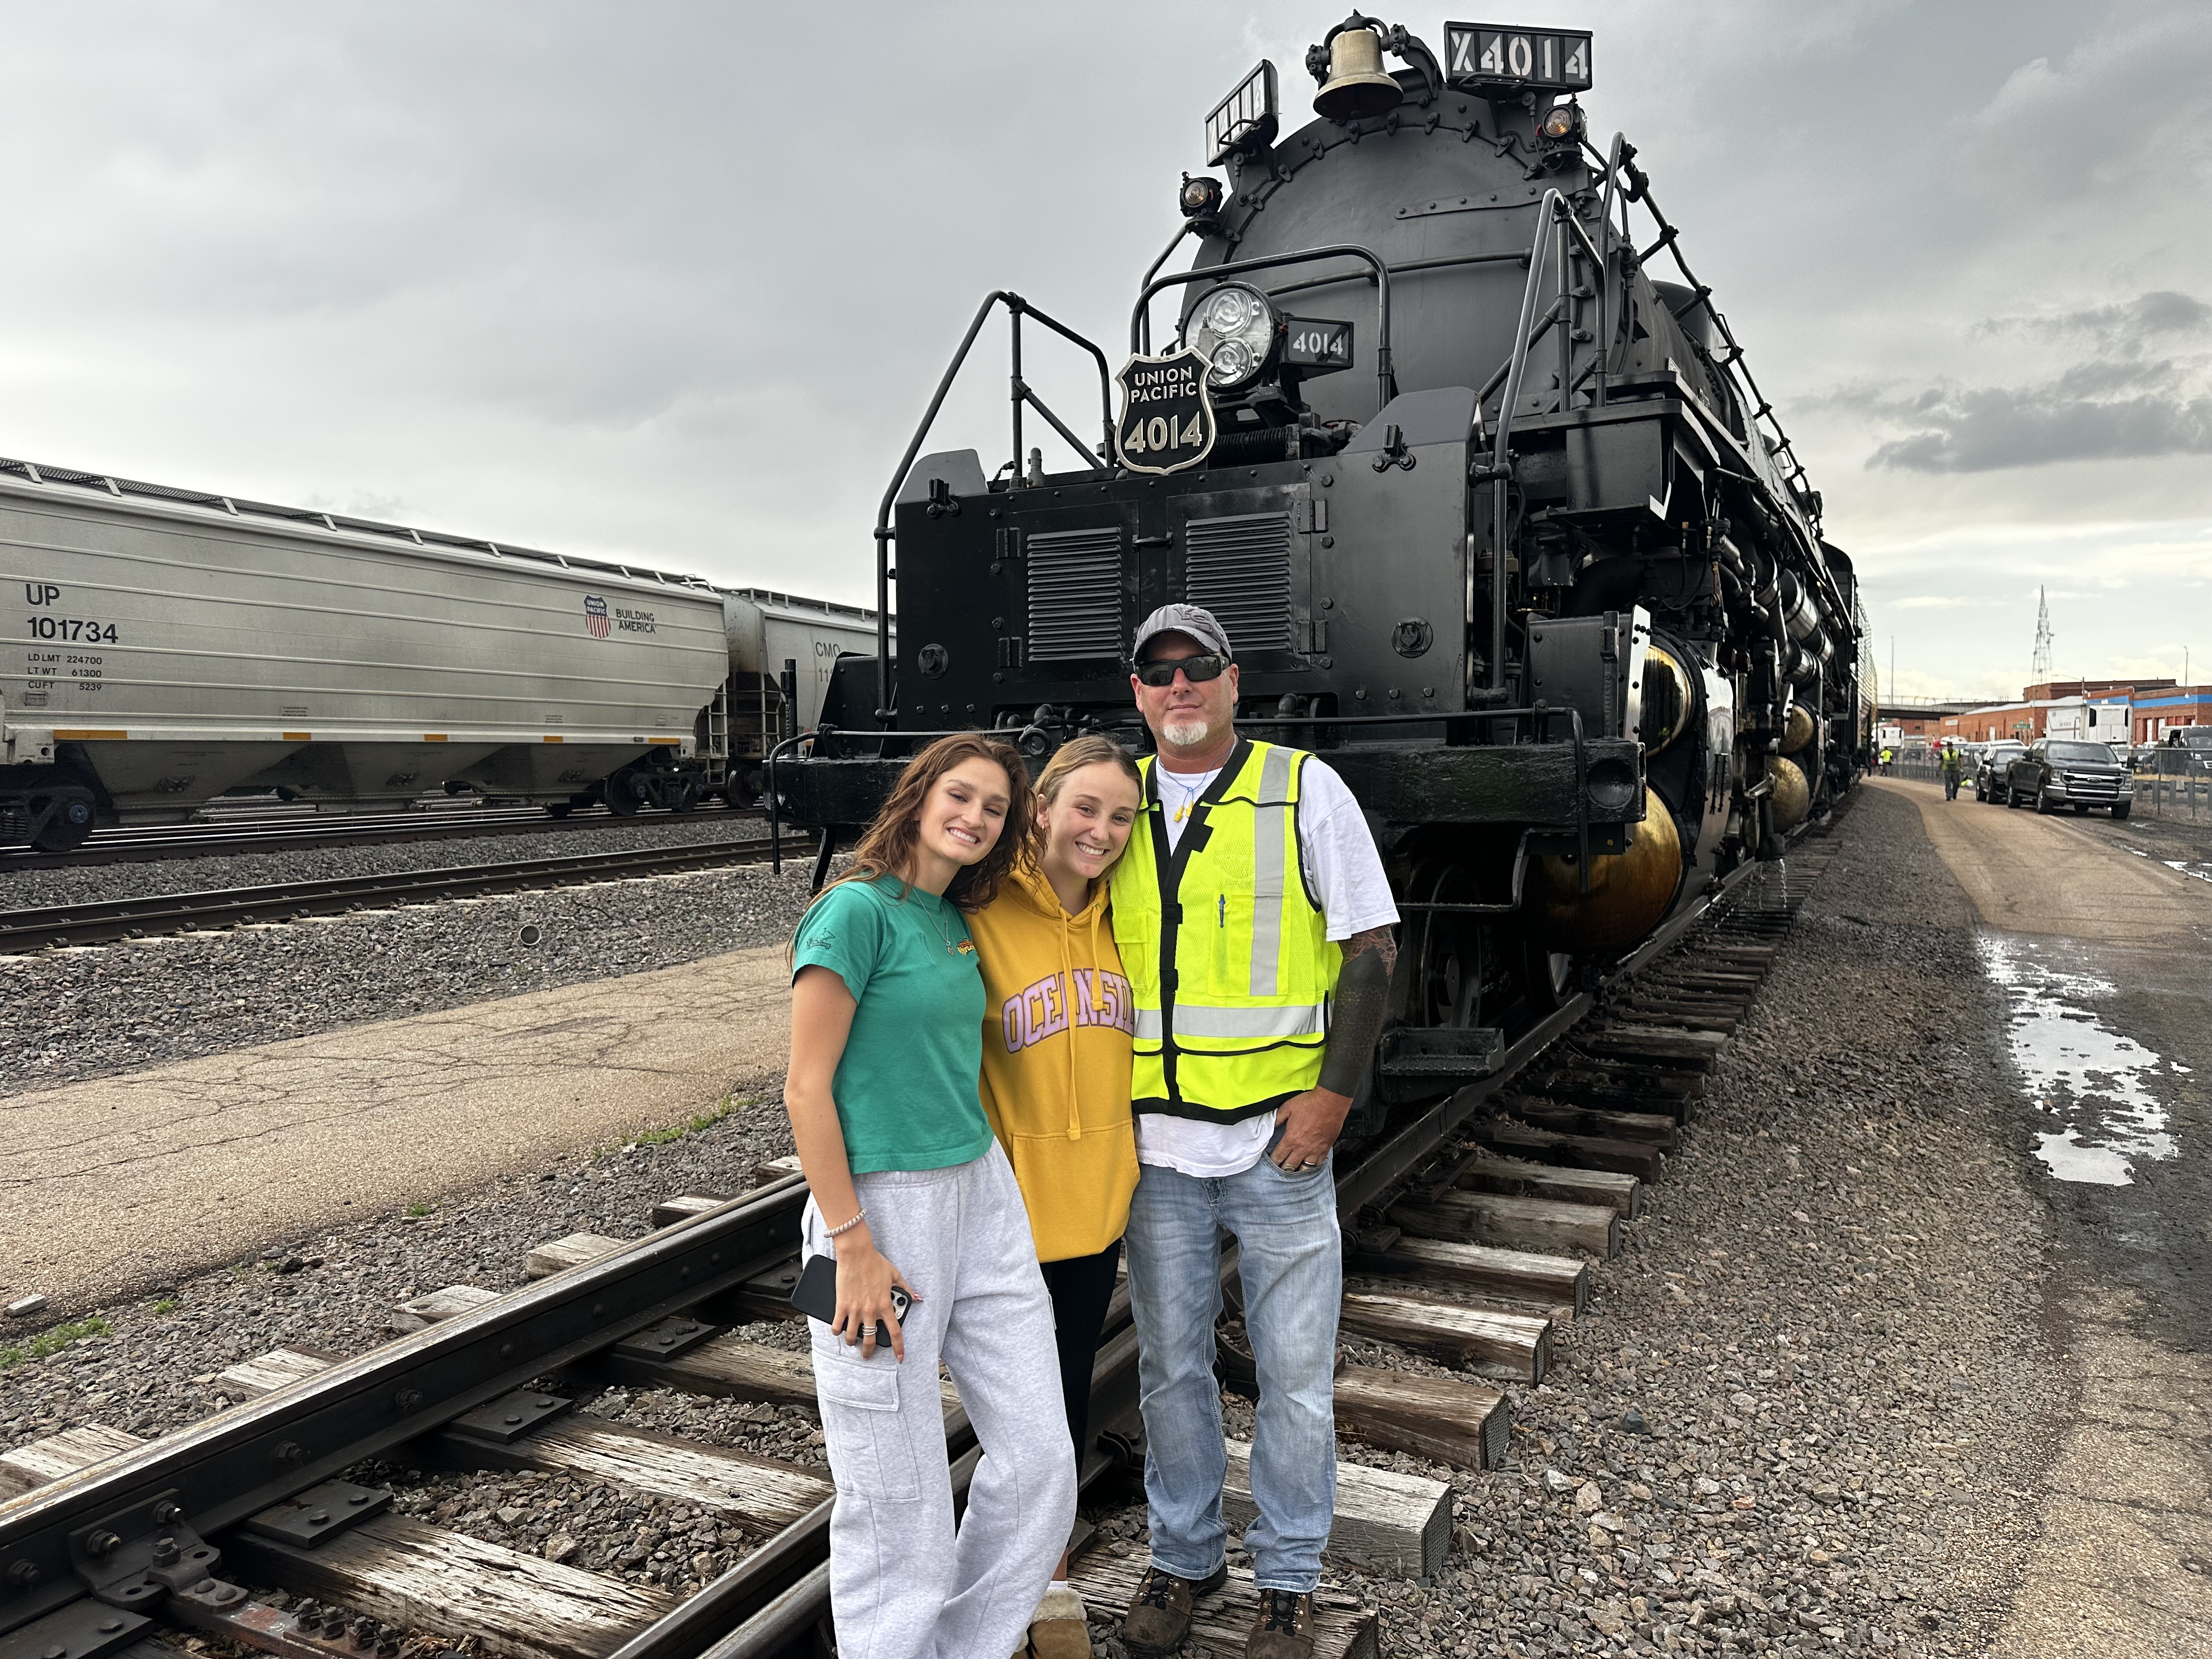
1345 872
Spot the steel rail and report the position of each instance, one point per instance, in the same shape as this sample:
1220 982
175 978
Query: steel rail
275 832
229 1467
107 920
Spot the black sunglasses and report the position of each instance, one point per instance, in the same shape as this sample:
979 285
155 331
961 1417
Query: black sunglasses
1197 670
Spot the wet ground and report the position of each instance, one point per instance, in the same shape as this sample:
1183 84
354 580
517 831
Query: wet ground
2098 937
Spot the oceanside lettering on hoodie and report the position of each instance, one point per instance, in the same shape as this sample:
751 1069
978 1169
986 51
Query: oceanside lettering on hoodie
1040 1010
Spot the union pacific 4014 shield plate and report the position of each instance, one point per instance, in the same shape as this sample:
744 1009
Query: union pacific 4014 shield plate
1167 413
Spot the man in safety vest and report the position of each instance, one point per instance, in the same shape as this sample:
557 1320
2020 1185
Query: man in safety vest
1254 920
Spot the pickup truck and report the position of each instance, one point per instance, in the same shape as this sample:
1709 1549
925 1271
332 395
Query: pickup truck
1989 770
2058 772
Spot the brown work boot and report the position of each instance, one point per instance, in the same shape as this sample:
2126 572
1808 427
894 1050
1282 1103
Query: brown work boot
1159 1613
1283 1629
1059 1629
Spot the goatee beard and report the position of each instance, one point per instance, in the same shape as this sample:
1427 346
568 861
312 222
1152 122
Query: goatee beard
1186 734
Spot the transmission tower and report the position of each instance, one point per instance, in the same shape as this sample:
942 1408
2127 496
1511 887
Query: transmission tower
2038 671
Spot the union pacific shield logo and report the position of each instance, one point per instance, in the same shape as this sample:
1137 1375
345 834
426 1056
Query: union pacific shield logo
595 615
1167 413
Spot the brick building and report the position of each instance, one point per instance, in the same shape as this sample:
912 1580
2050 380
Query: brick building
2111 711
2161 711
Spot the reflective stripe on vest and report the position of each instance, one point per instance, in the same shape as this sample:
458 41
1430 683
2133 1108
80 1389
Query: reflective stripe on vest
1243 1020
1308 1020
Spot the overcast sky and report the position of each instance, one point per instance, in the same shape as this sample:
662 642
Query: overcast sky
673 281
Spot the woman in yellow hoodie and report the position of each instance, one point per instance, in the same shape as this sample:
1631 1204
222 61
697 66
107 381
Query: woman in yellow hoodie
1058 1027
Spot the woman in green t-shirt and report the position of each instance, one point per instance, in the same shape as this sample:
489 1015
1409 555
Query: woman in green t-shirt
909 1189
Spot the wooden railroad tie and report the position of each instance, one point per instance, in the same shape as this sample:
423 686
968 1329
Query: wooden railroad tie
1381 1515
403 1572
1639 1158
1663 1133
1513 1345
1666 1045
1557 1286
423 1577
1443 1419
1342 1629
1528 1224
1489 1171
437 1307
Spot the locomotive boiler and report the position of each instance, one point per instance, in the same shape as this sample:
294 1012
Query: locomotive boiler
1494 515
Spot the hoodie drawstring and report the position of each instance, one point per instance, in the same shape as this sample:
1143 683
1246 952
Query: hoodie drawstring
1067 979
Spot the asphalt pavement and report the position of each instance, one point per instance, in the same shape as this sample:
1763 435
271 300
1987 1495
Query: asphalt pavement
2096 937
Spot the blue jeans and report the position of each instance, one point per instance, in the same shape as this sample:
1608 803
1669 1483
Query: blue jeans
1292 1261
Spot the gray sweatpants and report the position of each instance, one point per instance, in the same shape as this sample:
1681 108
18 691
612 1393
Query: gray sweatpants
902 1586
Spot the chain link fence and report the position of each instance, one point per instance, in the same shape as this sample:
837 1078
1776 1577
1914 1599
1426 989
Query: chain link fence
2184 798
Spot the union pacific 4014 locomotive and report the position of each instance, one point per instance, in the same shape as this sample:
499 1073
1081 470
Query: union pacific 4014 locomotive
1496 519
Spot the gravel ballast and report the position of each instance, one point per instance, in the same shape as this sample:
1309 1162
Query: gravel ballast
73 1014
1807 1412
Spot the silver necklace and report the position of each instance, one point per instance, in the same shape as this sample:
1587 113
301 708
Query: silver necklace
951 949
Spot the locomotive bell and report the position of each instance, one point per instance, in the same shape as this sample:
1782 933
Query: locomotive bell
1357 87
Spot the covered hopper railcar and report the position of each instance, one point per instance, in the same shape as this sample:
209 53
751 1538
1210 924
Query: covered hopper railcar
1497 521
166 646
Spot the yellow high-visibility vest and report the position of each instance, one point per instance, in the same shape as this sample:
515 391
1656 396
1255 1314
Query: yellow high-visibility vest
1228 954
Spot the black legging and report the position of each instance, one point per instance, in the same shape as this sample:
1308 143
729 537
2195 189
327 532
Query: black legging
1080 1287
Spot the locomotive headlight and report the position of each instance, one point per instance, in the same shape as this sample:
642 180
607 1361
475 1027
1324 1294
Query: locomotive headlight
1563 123
1235 328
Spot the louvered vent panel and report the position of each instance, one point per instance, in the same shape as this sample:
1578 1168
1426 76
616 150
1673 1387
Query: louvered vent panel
1075 594
1239 568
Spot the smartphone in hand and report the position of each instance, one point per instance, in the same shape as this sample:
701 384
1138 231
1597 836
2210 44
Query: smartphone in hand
816 1296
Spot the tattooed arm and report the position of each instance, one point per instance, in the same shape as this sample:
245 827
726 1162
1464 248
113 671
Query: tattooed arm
1311 1120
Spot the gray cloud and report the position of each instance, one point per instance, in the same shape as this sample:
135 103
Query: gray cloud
2125 329
1982 430
2115 404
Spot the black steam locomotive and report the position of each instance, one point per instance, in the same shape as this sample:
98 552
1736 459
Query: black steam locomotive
1495 520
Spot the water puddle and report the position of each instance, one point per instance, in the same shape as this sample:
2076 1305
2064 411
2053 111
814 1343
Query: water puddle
2195 871
2093 1081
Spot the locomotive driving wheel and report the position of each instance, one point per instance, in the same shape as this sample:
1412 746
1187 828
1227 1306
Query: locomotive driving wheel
1449 949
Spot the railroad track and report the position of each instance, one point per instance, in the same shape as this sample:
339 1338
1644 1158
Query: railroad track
267 831
1492 1203
107 920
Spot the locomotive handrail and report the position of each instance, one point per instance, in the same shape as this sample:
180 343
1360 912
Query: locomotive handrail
1386 381
1548 212
885 535
1405 268
1668 239
814 734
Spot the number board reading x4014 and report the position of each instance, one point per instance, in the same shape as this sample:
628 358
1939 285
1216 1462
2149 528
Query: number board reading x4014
1479 55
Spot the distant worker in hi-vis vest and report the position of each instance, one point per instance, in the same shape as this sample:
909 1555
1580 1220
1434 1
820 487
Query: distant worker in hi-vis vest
1254 921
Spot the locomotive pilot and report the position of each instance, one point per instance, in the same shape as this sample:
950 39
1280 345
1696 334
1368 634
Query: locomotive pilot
1254 920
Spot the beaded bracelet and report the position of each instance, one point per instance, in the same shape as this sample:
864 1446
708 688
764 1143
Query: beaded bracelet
847 1226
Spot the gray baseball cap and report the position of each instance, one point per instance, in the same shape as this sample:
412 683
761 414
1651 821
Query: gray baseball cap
1189 619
